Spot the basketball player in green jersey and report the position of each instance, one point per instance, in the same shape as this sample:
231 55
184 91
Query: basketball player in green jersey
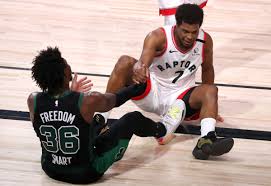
62 118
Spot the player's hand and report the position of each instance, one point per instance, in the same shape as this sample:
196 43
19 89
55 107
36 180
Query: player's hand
140 73
81 85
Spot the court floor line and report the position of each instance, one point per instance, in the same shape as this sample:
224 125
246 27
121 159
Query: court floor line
188 129
104 75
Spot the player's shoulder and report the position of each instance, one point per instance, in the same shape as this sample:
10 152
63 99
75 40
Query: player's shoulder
208 40
31 101
32 96
208 37
158 33
157 37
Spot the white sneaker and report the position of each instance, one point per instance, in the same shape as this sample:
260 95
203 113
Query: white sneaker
173 118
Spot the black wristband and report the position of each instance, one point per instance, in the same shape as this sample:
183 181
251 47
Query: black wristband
127 93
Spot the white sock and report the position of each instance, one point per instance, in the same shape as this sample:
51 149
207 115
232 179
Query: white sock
174 116
105 115
207 125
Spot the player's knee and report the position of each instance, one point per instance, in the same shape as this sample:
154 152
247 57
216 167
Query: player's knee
124 63
132 118
132 121
211 91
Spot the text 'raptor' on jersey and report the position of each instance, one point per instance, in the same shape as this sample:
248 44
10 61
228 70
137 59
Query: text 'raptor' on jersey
177 64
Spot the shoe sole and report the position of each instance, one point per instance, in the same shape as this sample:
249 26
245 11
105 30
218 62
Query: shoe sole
221 147
199 154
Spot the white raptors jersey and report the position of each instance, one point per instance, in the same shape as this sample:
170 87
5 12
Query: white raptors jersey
176 69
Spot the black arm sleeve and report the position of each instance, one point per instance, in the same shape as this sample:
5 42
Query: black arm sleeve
127 93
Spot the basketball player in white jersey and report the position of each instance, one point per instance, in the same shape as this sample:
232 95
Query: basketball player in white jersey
167 8
168 63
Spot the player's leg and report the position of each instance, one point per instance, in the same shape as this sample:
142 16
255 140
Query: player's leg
120 77
112 144
172 119
178 111
205 97
122 74
150 101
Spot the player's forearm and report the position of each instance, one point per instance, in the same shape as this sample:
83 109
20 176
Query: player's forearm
127 93
147 58
107 101
101 102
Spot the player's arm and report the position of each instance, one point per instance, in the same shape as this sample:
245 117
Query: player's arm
154 43
107 101
30 104
208 74
98 102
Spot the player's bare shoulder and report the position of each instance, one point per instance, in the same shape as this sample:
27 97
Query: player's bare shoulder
159 33
30 99
208 42
157 38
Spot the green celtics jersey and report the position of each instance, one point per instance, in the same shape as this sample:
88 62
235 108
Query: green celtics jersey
66 138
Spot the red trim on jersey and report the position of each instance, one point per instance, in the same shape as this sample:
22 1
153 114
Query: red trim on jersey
203 47
172 11
165 49
175 44
145 93
194 116
203 4
183 93
167 12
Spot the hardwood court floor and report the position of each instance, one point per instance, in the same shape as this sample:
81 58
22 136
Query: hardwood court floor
145 163
241 108
92 35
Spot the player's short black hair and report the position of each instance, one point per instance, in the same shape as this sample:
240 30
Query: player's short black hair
189 13
48 70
